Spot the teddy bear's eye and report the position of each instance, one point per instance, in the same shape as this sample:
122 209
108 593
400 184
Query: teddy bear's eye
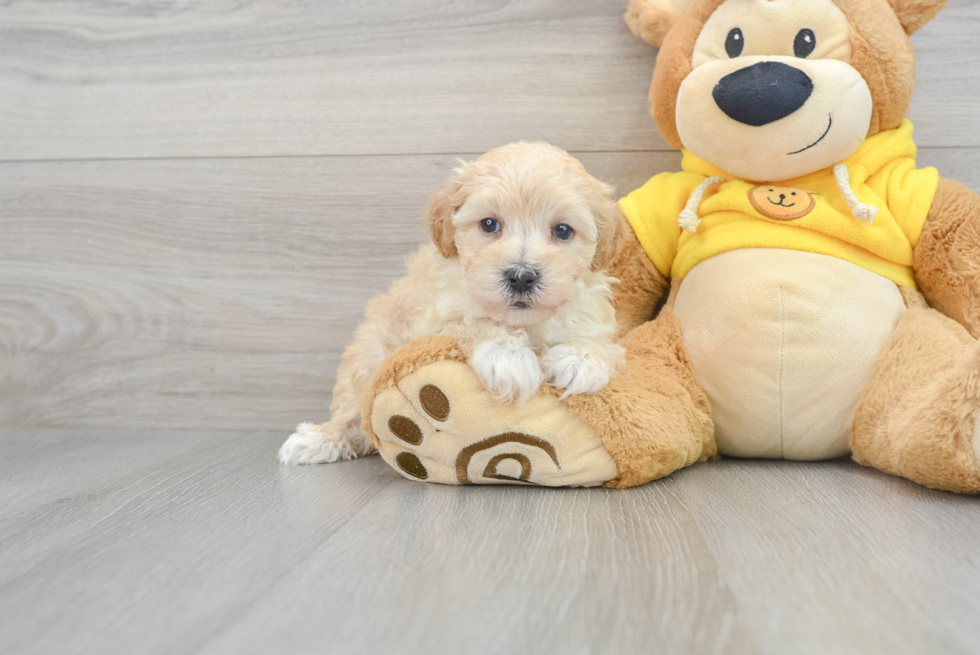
805 42
735 43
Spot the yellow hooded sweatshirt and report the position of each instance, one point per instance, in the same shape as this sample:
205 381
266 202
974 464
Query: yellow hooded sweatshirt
812 213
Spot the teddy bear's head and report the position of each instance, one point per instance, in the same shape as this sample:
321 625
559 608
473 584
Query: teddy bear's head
769 90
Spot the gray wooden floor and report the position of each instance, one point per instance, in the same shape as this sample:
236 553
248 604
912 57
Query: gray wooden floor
181 541
197 198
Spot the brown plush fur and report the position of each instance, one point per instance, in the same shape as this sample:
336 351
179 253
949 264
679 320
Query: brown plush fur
916 418
654 418
915 13
947 255
882 53
640 285
674 64
650 20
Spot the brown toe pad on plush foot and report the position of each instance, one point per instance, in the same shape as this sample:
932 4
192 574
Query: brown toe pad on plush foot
438 424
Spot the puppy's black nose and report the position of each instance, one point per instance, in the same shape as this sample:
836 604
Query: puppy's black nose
762 93
521 279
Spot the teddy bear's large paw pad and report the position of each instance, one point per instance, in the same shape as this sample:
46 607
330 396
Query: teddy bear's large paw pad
439 424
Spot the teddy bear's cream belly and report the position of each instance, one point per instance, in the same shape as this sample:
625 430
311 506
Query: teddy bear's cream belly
784 343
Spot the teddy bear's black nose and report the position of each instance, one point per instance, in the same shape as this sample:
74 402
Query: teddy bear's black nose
762 93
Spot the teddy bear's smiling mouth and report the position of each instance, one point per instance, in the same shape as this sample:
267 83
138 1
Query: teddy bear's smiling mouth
780 203
826 132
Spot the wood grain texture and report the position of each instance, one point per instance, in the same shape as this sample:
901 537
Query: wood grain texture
164 541
215 293
85 79
230 78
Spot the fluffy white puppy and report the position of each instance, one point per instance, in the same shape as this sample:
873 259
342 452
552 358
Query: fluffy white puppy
520 238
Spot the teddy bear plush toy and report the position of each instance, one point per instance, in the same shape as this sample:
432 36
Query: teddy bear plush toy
821 294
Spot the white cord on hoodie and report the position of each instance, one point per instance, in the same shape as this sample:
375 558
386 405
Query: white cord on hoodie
688 219
862 212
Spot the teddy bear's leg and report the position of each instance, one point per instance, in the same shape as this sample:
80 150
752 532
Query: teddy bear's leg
920 416
431 419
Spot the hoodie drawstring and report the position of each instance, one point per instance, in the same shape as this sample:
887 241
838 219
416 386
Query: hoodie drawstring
864 213
688 219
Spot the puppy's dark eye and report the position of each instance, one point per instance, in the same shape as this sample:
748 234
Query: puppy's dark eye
563 232
490 225
735 43
805 42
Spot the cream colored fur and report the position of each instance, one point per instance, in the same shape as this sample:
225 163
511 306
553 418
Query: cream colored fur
824 131
559 332
784 344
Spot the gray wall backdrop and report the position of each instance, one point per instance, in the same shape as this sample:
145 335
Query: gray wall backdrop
198 199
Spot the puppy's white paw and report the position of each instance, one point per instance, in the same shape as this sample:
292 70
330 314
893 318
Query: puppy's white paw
510 373
311 444
575 371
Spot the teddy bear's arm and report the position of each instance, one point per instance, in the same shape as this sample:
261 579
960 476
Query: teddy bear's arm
947 255
640 285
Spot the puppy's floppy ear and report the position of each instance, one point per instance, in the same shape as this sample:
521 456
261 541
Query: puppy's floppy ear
913 14
440 218
612 228
652 19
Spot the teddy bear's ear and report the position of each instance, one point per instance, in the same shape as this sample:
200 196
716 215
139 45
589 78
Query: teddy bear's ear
652 19
913 14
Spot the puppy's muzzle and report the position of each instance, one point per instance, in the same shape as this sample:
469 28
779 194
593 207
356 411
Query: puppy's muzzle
522 280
